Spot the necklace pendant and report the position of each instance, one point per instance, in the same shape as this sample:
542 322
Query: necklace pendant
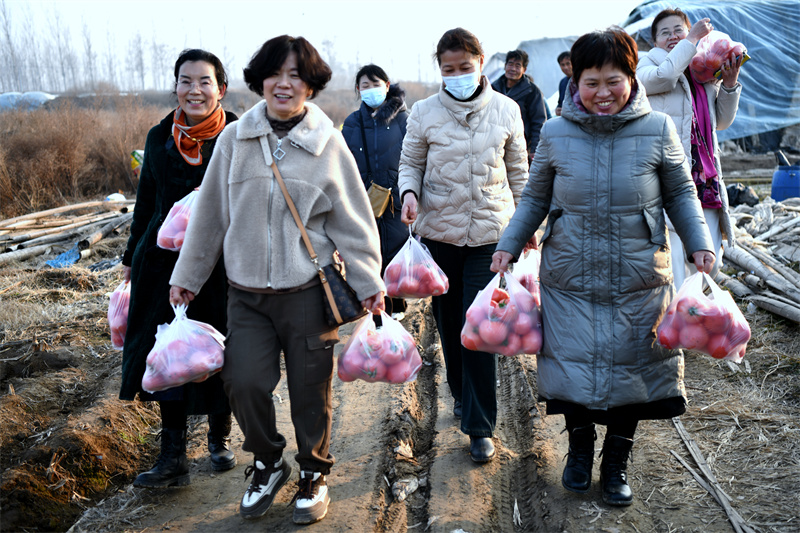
278 153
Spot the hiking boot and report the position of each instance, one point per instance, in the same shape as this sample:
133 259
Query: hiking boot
267 481
613 470
577 476
481 449
172 467
219 430
311 501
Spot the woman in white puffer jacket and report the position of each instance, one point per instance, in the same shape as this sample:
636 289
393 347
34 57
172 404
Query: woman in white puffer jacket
462 170
671 89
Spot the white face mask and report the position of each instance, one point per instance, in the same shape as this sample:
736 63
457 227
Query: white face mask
373 97
462 86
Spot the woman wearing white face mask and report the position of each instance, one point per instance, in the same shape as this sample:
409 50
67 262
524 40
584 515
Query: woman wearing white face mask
374 133
462 170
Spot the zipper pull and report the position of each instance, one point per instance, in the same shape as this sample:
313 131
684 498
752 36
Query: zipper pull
278 153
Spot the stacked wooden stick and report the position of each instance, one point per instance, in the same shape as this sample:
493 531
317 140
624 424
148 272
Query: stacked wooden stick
81 225
767 255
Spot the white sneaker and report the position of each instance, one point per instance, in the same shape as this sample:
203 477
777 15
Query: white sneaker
311 500
399 316
267 481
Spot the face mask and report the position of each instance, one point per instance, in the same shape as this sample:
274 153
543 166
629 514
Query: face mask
373 97
462 86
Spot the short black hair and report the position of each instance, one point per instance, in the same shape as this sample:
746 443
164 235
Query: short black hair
612 46
562 56
269 59
522 55
458 39
373 73
196 54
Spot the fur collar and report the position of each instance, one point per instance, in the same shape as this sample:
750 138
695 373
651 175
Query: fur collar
394 104
311 134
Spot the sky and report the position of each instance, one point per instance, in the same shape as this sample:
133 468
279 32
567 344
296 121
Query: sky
399 35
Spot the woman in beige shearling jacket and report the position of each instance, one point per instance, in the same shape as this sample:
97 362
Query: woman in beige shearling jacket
462 170
664 74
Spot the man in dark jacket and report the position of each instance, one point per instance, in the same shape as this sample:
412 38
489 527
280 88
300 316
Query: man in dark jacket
520 87
565 63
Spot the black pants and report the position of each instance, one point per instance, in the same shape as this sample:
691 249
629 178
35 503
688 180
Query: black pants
472 376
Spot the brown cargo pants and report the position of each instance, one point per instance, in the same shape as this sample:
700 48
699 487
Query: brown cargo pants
260 326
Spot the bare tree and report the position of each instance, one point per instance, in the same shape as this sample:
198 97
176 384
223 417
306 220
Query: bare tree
111 58
11 59
136 60
89 58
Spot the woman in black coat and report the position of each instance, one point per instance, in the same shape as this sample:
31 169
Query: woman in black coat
375 134
176 155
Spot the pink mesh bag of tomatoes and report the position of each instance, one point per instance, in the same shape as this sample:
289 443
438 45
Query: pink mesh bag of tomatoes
118 314
173 230
505 321
185 351
387 353
712 324
712 51
413 273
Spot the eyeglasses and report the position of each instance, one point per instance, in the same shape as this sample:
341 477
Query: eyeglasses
666 34
203 84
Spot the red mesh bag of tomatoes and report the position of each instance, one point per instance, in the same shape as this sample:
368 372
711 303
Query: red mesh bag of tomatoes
118 314
712 324
185 351
413 273
506 320
387 353
712 51
173 230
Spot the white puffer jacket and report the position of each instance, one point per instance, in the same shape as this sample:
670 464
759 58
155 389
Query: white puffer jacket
467 164
661 73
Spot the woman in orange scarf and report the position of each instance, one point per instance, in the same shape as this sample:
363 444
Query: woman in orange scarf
177 153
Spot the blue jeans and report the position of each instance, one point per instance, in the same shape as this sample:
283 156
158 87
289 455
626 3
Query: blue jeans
471 375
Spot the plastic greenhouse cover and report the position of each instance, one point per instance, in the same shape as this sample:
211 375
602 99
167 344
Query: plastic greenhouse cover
770 30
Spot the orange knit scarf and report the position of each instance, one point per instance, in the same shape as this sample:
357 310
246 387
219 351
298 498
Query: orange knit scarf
189 139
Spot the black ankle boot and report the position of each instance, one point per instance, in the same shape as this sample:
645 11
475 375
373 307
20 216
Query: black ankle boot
577 476
219 430
613 470
172 467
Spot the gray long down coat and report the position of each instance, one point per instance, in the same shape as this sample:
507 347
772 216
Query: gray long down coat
603 182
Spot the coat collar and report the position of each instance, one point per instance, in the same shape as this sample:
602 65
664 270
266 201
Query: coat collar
523 86
462 109
311 134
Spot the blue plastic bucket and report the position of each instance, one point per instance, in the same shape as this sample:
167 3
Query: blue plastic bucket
786 183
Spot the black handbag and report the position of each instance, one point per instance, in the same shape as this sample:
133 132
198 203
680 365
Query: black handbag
339 299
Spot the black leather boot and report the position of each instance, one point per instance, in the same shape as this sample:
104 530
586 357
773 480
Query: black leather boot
577 476
219 430
613 470
172 467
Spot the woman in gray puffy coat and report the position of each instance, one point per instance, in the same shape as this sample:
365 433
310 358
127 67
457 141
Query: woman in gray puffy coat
603 175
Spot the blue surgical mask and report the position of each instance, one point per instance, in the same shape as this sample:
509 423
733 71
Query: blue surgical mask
462 87
373 97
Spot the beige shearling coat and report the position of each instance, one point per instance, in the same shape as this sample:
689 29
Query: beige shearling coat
467 164
241 211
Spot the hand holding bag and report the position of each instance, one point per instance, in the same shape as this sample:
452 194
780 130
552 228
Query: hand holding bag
339 299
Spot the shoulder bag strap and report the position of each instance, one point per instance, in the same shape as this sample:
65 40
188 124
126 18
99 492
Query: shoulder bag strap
295 215
364 144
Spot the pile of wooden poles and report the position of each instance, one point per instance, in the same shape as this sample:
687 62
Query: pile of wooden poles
79 225
766 255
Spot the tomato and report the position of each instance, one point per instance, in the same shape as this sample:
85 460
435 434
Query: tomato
691 309
717 319
532 341
179 238
720 46
523 324
373 370
399 373
513 346
718 346
737 51
372 341
693 337
409 286
343 374
475 315
713 62
499 295
668 337
528 281
421 271
165 242
392 273
470 338
525 301
697 63
352 362
392 352
393 289
492 332
437 287
503 311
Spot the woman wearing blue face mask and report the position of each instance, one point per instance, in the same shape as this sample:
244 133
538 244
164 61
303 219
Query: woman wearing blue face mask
462 170
374 133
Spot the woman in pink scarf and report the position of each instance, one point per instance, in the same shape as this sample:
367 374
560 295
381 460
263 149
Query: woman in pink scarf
697 110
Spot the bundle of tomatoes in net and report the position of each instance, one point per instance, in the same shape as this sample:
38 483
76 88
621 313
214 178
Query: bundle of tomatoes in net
712 51
505 321
172 232
185 351
413 273
118 314
387 353
712 325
